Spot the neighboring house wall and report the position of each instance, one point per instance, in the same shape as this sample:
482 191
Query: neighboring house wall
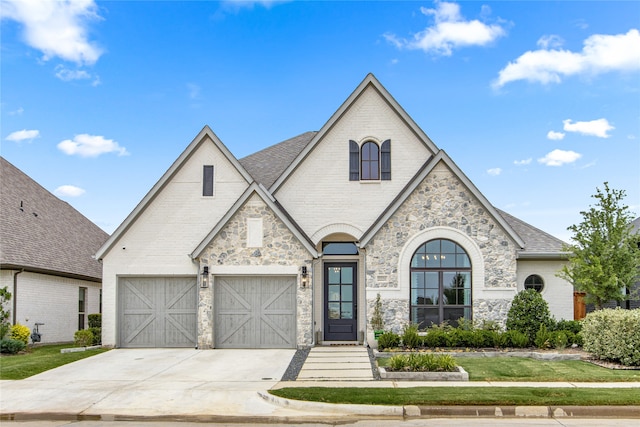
281 254
51 300
159 242
318 194
441 207
557 292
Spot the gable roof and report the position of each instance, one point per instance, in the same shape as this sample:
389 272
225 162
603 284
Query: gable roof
205 134
271 203
635 225
537 243
267 165
369 81
417 179
41 233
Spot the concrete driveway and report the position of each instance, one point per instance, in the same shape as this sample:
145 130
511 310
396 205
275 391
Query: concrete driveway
153 382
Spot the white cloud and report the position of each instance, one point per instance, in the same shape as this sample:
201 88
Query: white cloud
249 4
23 135
450 31
601 53
559 157
598 127
17 112
522 162
552 41
494 171
85 145
555 136
68 191
56 28
67 75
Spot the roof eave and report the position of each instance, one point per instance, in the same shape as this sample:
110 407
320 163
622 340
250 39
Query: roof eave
56 273
542 255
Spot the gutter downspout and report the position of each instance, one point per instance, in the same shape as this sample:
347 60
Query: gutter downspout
15 295
313 306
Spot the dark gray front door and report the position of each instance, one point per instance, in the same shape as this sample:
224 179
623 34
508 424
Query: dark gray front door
340 310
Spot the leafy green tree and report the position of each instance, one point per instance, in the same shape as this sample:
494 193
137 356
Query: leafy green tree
5 325
604 261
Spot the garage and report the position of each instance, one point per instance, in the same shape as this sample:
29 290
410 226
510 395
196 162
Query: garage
255 312
157 311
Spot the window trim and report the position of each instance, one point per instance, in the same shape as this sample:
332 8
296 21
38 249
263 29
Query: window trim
357 160
208 182
534 286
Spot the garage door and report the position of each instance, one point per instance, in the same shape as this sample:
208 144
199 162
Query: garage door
157 312
255 312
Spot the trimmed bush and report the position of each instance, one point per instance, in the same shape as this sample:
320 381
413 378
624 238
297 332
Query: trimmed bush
435 338
95 320
83 338
20 332
422 362
573 326
613 334
97 335
515 339
559 339
388 340
410 337
11 346
528 312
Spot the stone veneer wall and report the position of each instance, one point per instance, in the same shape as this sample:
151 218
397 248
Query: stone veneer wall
280 247
441 200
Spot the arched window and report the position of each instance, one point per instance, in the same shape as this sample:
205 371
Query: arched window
534 282
440 283
370 161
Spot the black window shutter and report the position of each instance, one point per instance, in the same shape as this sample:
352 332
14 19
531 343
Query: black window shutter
207 180
354 161
385 156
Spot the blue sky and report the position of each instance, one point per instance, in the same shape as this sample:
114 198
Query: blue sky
537 102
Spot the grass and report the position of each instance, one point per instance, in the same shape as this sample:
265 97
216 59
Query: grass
424 396
39 359
526 369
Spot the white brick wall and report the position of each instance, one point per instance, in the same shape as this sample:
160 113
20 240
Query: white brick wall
164 235
50 300
557 292
319 193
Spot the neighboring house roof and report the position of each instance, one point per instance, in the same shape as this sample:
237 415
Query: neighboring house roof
267 165
41 233
538 244
635 225
205 133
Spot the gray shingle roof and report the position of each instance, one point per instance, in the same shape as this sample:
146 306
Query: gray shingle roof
39 232
536 240
267 165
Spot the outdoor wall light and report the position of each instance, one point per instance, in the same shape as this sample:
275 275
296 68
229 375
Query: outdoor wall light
305 277
204 280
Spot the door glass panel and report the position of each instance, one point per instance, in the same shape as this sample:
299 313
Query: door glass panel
347 310
334 275
334 292
347 293
334 310
347 275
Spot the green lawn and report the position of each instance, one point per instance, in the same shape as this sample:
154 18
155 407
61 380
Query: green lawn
464 396
39 359
526 369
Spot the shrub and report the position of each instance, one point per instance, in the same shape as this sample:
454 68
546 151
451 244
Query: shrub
482 338
388 340
95 320
410 337
515 339
435 338
559 339
5 297
83 338
543 338
97 336
20 332
422 362
573 326
613 334
11 346
528 312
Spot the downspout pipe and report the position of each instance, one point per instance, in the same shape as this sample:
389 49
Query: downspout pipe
15 296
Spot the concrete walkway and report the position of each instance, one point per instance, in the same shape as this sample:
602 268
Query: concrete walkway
337 363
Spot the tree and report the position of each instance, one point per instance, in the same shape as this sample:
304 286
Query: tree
604 260
5 325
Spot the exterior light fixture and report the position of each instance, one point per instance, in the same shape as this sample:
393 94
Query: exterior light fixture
305 277
204 280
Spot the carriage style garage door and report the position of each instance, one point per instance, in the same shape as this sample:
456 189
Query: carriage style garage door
255 312
157 311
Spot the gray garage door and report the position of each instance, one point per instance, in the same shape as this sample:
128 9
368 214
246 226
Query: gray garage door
255 312
157 312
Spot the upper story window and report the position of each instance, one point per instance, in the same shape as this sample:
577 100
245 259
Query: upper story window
534 282
207 180
369 161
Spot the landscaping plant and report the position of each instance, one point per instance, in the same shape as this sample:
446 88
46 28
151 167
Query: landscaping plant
5 297
410 337
422 362
613 334
20 333
11 346
528 312
83 338
388 339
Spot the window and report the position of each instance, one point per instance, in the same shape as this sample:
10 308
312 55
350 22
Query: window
207 181
370 162
339 248
82 304
440 283
534 282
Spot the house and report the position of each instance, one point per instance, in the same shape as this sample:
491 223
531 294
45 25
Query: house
290 246
46 262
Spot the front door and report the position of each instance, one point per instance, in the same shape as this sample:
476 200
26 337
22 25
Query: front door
341 308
